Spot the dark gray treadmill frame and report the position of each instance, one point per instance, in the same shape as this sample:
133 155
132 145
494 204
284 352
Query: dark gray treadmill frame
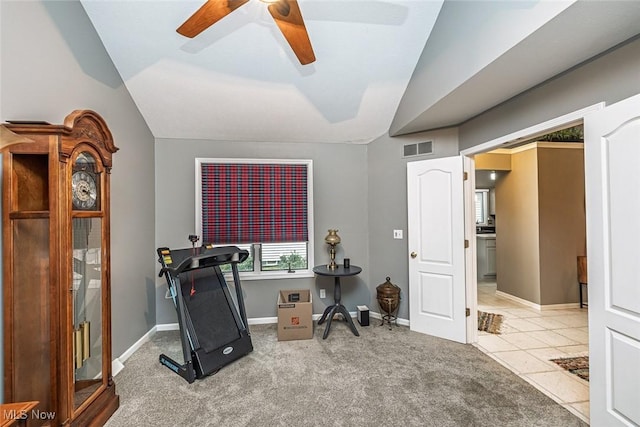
204 261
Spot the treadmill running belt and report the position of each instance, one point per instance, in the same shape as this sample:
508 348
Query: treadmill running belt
209 309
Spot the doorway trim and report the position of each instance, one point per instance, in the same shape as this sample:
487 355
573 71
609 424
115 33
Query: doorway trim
567 120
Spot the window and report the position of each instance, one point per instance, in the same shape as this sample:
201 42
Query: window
264 206
482 207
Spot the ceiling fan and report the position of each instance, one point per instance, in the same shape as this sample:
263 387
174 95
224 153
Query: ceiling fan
286 14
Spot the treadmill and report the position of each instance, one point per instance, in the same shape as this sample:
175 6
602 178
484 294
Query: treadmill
213 327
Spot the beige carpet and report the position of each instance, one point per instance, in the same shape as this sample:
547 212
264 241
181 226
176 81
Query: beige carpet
382 378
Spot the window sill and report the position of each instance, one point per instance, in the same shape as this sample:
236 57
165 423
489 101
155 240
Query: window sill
250 276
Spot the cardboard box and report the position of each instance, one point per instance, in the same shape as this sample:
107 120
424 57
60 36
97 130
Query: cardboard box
295 308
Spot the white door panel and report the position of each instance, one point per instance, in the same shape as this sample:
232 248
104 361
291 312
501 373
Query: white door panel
612 153
436 243
438 300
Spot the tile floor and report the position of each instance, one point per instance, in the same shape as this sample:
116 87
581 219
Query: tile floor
529 338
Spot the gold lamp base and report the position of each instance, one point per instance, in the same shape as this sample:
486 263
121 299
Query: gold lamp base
332 239
332 253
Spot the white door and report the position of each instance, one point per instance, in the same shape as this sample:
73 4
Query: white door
612 155
436 248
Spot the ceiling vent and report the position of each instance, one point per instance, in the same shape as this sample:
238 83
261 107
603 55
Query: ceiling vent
418 149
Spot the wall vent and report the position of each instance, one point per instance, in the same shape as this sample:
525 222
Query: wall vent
418 149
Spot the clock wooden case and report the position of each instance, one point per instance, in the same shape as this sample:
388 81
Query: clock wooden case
56 269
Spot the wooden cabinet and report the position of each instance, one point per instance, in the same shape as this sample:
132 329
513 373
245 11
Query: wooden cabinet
486 256
56 278
491 257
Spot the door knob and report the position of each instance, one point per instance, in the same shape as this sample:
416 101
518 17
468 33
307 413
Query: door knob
413 254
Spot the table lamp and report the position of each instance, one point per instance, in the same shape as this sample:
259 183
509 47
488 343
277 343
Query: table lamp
332 240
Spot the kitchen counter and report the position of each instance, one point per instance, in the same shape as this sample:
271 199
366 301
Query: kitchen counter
486 236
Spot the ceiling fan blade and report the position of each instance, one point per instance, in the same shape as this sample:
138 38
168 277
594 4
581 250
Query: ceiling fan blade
289 19
208 14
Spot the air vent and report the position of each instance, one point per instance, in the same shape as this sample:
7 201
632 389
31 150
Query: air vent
418 149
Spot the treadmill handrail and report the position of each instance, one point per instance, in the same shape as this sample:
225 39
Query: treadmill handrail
211 257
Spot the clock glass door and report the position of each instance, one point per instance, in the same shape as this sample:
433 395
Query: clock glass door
87 279
87 307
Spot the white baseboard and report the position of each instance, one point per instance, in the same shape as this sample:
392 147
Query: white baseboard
262 320
118 363
167 327
403 322
116 366
535 306
353 314
559 306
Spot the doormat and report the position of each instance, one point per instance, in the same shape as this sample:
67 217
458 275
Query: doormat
489 322
576 365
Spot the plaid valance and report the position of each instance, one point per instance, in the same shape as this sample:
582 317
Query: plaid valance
254 203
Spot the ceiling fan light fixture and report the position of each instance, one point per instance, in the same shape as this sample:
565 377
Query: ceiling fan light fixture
281 6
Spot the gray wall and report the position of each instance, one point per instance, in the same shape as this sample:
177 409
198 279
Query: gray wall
518 228
52 63
340 201
463 42
561 210
387 207
57 64
611 77
359 189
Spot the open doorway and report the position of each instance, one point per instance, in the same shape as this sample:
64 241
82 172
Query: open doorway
527 270
536 329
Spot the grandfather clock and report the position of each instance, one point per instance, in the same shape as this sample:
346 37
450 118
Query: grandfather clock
56 270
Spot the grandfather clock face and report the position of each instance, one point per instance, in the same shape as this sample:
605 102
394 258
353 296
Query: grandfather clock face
85 183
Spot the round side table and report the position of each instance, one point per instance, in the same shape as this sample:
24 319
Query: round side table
337 307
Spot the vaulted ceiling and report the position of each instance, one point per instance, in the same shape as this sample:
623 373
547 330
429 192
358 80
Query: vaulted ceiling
381 65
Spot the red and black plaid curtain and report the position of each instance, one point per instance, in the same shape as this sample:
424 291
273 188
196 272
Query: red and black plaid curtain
254 203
